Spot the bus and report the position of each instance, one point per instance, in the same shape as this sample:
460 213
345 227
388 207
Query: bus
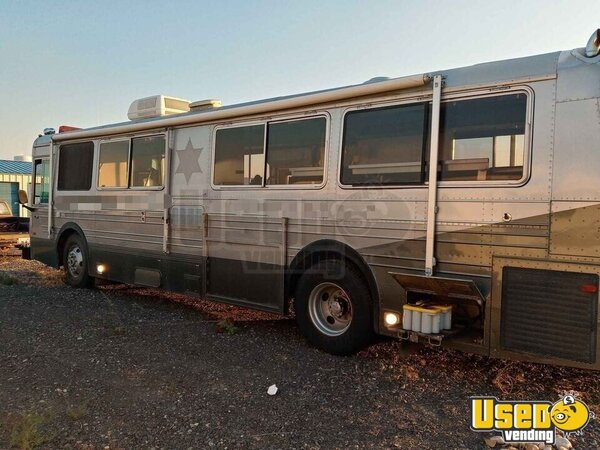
457 208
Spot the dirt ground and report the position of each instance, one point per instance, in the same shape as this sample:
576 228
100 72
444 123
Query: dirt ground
128 368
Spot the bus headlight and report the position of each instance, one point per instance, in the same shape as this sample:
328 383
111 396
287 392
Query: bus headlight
100 268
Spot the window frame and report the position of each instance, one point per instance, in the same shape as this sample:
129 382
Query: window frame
527 139
40 160
214 154
386 105
165 174
129 165
266 123
457 95
60 192
325 152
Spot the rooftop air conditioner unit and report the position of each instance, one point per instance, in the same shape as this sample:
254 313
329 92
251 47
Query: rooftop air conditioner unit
157 106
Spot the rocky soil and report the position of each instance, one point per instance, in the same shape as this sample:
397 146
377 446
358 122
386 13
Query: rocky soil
127 368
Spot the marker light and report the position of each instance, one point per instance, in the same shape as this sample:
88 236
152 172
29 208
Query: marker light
588 288
391 319
101 268
67 128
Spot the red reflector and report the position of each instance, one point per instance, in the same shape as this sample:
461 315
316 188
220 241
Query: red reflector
589 288
66 128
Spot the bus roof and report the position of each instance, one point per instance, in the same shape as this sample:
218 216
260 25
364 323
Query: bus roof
504 71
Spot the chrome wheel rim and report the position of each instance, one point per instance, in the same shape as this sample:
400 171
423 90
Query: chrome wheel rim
330 309
75 261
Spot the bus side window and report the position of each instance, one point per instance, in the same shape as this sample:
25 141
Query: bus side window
148 161
239 156
296 151
483 138
75 163
384 146
113 164
41 187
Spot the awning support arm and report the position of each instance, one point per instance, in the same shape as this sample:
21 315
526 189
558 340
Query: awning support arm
430 261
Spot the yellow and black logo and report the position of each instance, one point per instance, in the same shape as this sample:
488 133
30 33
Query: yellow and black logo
570 415
521 421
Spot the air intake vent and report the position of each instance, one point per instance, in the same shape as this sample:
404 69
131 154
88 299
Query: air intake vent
550 313
157 106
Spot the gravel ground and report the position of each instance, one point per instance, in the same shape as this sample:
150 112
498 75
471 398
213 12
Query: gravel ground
126 368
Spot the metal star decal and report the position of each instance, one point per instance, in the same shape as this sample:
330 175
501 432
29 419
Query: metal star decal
188 160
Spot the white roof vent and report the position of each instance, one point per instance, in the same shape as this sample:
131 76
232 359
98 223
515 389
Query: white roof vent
376 80
157 106
205 104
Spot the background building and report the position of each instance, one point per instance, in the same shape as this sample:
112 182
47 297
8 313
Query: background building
15 175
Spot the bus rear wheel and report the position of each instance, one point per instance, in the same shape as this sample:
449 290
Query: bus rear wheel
75 260
333 308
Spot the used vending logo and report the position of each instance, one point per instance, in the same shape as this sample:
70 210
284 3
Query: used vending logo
529 421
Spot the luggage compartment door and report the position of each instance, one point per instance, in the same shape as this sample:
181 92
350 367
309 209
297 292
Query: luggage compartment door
246 260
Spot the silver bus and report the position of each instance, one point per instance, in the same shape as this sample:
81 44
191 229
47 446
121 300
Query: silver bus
472 192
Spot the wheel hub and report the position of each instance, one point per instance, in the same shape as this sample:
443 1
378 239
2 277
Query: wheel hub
338 307
335 308
330 309
75 261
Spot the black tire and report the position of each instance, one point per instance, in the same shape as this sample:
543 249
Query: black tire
75 261
315 283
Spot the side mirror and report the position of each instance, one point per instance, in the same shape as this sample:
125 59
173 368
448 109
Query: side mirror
23 199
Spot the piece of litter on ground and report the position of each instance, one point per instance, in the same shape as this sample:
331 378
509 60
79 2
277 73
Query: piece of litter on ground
272 389
493 441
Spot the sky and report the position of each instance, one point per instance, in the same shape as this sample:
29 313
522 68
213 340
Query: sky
83 62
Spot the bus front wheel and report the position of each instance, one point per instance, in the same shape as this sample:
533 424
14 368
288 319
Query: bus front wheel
75 260
333 307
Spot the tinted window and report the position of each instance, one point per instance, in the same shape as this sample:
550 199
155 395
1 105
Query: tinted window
147 161
41 187
385 145
75 166
295 152
4 209
483 139
113 164
239 156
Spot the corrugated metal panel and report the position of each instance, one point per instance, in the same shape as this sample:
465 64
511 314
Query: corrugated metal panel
9 194
24 181
546 312
21 167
